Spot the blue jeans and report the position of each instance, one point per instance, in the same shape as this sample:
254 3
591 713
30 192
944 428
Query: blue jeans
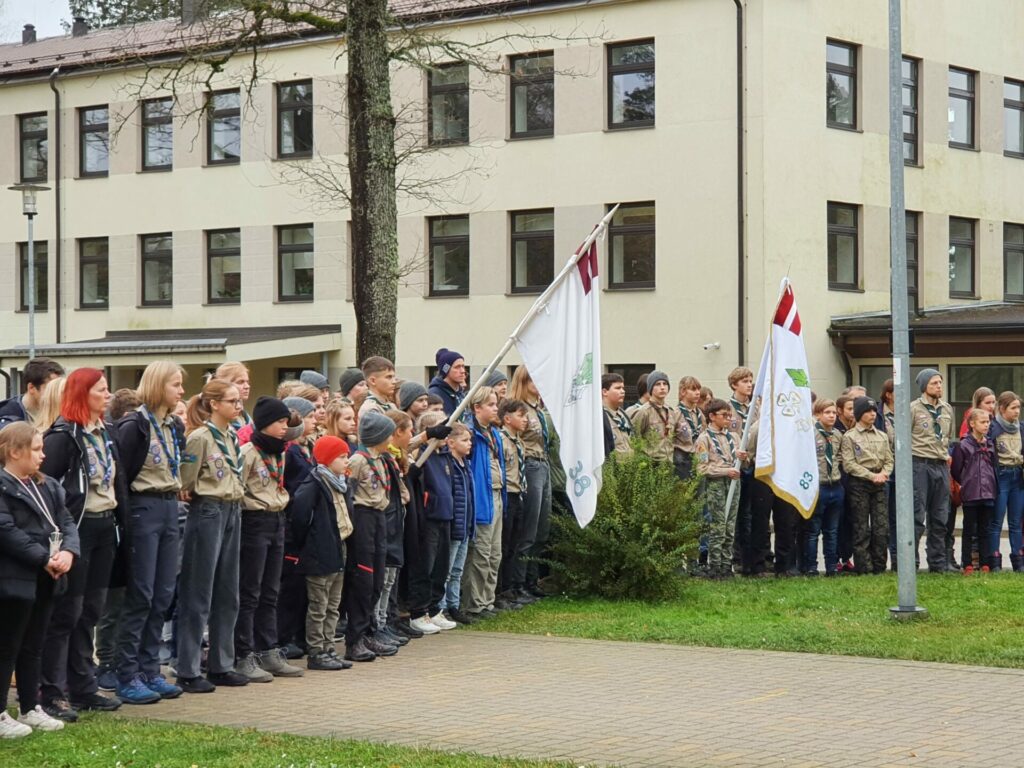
825 521
1009 505
457 563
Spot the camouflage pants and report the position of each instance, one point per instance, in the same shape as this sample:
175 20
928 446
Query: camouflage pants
723 523
869 507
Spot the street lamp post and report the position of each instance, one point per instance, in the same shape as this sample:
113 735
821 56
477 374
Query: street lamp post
28 207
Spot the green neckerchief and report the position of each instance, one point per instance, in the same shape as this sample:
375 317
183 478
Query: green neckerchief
231 457
695 424
718 448
621 420
827 434
933 411
741 408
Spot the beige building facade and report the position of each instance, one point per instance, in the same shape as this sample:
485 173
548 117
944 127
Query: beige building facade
233 252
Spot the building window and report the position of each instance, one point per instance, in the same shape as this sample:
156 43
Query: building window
533 250
224 266
533 95
295 263
295 119
873 377
840 84
843 247
94 141
961 108
961 258
1013 262
157 134
93 274
631 255
39 261
448 96
910 143
631 373
631 84
449 256
965 379
913 273
157 270
224 128
32 129
1013 118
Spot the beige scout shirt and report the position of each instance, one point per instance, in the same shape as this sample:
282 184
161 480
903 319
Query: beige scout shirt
373 403
99 458
370 481
209 469
532 437
622 430
691 424
739 413
865 452
263 491
657 425
513 471
341 510
1008 449
924 443
155 475
834 438
716 453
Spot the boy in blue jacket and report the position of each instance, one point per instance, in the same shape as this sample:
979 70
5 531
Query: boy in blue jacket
463 523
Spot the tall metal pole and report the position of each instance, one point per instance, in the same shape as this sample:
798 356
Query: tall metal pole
31 290
905 540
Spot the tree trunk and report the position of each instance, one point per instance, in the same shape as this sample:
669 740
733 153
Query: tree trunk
372 163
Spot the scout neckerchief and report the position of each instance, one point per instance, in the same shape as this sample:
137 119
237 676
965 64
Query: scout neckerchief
933 411
492 444
274 464
741 409
827 435
520 456
694 420
543 425
173 460
658 409
244 419
231 457
384 404
103 451
718 448
37 498
622 421
371 460
890 417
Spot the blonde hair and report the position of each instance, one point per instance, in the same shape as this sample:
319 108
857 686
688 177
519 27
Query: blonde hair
517 387
334 410
307 392
432 419
480 396
154 379
49 404
199 406
822 403
287 388
974 413
458 428
231 371
18 436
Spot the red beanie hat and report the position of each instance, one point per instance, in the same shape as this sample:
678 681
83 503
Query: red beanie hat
328 448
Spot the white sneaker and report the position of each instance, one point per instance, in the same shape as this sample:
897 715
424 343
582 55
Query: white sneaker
36 718
442 623
11 728
425 625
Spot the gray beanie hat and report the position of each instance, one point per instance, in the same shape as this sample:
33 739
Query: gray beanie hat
409 392
495 378
924 377
375 428
314 379
299 404
654 377
349 379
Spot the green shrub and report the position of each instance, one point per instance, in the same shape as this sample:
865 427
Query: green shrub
645 533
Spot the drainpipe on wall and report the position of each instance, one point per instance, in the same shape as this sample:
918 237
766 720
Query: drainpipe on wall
58 293
741 321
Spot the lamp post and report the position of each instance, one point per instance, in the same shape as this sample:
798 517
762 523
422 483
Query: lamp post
28 207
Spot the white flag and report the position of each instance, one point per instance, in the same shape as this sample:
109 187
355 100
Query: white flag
562 350
787 458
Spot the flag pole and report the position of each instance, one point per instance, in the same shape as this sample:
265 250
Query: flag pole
535 310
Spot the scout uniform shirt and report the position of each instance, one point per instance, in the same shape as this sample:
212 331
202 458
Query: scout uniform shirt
622 430
865 452
536 438
374 403
263 480
512 448
212 466
161 471
1008 448
691 424
931 429
828 444
716 453
657 424
371 481
99 455
740 412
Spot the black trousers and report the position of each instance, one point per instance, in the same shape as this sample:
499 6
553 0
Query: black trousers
67 655
291 602
757 542
785 520
512 528
22 634
364 571
261 558
741 544
977 519
434 557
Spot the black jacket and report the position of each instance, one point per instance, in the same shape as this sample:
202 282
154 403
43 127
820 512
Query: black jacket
314 528
11 410
64 445
25 535
131 435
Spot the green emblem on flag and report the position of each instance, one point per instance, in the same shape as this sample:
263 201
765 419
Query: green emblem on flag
799 377
584 377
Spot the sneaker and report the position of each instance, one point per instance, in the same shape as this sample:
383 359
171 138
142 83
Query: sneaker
379 648
333 653
359 652
275 662
523 597
11 728
135 691
404 627
323 661
37 719
60 709
248 667
106 679
158 684
293 651
196 685
503 604
388 635
442 623
454 614
425 625
229 679
95 702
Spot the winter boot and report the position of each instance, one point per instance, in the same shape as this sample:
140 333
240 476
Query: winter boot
1017 562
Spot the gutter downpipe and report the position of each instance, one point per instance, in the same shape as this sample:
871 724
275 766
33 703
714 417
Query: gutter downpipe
58 293
741 320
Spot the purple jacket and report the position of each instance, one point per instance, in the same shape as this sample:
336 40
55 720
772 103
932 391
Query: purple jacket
974 467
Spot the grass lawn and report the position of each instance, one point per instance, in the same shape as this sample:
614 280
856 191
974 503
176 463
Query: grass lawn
977 619
104 741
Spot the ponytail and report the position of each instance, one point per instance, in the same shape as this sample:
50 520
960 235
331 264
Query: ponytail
199 410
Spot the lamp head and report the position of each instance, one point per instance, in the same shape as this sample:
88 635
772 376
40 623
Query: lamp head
28 196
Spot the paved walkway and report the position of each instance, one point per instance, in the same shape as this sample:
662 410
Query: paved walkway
646 705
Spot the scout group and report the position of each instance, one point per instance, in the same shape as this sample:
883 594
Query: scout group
223 539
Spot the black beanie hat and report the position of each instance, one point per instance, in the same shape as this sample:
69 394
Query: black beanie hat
862 405
267 411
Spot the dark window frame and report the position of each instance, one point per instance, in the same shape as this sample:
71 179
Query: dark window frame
630 372
972 243
1008 248
149 122
160 255
43 267
544 79
284 107
212 115
914 263
614 230
912 83
219 253
83 260
1016 105
536 235
435 240
849 71
29 136
83 131
440 90
626 69
845 231
283 249
971 97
